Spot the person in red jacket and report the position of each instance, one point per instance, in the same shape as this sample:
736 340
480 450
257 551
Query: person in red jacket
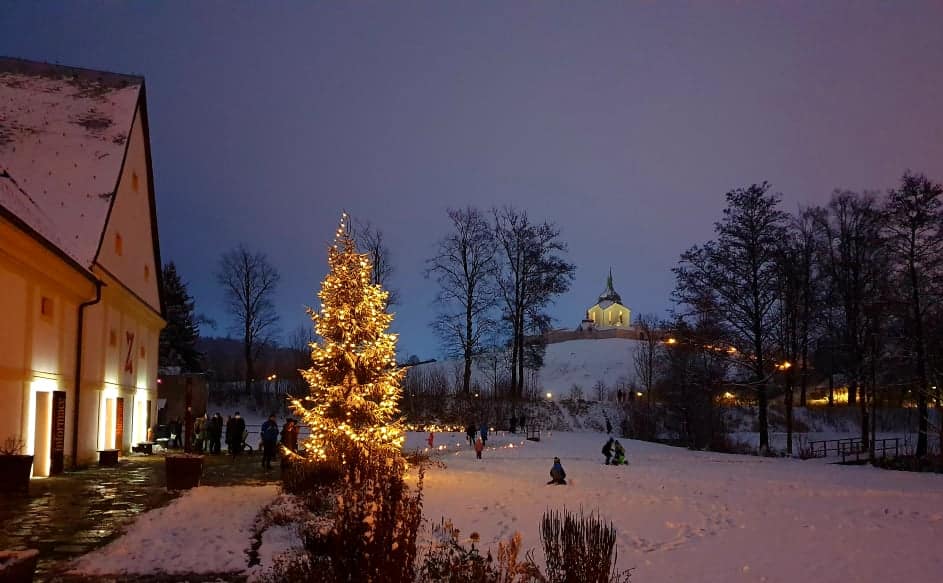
479 445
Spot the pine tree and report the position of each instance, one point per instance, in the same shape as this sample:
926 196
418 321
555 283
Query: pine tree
178 338
354 383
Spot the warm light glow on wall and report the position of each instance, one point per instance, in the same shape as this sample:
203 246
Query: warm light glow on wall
37 385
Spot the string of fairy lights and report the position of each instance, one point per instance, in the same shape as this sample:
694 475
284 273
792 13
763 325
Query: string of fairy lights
354 383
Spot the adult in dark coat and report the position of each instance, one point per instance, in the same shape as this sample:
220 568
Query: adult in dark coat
607 450
235 432
557 474
470 433
290 435
216 433
269 434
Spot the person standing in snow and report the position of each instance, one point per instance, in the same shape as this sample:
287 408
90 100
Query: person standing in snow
523 423
470 433
269 434
607 450
479 445
216 433
557 474
484 433
513 423
290 435
608 426
235 433
618 457
431 439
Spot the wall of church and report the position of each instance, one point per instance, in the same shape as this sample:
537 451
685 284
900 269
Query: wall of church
613 316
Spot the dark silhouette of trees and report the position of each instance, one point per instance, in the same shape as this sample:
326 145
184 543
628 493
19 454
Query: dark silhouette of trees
178 339
249 282
465 268
735 276
914 217
532 272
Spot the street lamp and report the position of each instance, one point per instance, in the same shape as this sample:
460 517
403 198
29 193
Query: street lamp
549 395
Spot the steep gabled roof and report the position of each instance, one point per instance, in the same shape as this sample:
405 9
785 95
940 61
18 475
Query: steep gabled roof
63 136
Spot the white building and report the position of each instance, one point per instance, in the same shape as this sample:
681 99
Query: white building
608 313
80 271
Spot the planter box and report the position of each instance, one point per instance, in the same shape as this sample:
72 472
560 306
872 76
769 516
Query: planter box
108 457
183 471
15 470
18 566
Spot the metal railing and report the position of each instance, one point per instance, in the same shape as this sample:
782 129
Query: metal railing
824 447
882 447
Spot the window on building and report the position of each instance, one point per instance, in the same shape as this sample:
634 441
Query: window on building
147 273
134 181
119 244
46 307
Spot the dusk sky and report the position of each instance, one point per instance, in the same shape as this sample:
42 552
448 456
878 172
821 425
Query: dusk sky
625 123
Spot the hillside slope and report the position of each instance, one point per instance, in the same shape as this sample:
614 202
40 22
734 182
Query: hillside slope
579 363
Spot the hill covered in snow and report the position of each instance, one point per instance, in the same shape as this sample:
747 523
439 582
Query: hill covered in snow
575 363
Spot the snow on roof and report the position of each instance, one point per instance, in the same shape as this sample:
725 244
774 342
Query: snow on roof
63 135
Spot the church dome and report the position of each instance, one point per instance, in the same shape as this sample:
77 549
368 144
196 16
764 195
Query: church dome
609 296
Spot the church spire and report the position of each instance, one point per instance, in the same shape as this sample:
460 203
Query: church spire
609 280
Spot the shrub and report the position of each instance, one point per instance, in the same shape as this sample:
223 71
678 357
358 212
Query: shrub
579 549
371 533
447 560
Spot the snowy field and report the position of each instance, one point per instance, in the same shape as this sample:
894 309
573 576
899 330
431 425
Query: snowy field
695 516
680 515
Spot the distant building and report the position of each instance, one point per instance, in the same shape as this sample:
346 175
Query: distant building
80 293
607 318
608 312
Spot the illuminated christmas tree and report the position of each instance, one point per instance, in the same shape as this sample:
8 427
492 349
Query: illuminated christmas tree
354 384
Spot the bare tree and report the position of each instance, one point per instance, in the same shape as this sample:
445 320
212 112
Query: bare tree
371 240
532 274
851 259
249 282
914 229
735 275
465 268
646 356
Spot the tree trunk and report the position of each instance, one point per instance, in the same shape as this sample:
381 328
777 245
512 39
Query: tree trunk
764 422
247 347
788 402
924 388
864 416
852 393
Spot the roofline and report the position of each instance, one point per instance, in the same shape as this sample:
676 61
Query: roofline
73 68
158 266
140 107
23 226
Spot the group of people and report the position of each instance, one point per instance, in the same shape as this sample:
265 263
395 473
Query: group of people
613 451
270 433
205 434
477 438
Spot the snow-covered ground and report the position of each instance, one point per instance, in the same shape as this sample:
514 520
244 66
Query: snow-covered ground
697 516
680 515
207 530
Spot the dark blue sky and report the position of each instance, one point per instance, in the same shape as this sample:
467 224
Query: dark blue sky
624 122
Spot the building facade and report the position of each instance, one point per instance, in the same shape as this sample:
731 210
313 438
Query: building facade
608 312
80 293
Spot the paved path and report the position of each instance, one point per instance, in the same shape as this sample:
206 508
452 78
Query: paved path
69 515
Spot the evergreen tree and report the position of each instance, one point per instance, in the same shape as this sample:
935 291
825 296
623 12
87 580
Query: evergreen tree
178 338
354 383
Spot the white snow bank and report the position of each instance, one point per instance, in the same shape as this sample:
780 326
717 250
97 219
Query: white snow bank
697 516
207 530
